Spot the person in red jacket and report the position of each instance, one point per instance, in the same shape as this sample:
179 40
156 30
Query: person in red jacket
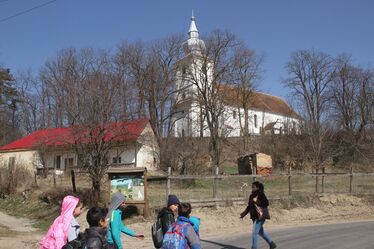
258 198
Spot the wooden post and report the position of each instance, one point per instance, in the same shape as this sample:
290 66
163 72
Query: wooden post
289 181
254 172
73 181
168 185
215 183
317 171
146 211
350 180
323 180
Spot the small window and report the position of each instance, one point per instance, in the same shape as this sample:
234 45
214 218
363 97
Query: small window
255 120
183 133
280 130
184 70
117 160
234 114
183 95
58 162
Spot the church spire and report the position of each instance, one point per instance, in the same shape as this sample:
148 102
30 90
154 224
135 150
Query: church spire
193 44
193 32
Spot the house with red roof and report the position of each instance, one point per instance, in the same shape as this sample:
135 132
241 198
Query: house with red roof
132 144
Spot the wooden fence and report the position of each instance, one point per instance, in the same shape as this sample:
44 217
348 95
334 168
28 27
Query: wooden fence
289 186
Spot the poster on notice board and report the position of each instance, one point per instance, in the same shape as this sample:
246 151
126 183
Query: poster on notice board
132 187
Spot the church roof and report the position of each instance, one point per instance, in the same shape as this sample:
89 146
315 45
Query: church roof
120 131
258 101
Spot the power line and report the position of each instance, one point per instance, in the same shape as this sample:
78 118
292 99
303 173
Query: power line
25 11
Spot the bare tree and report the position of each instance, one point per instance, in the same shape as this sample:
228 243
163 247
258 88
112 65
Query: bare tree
246 73
351 102
209 68
310 75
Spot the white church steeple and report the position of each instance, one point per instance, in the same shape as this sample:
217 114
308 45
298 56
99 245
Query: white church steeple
193 44
193 32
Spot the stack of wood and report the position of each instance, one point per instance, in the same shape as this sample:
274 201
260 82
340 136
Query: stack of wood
264 164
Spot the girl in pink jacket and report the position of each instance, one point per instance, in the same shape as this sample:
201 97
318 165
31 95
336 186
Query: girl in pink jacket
57 234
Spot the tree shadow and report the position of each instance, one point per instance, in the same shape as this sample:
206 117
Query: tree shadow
223 245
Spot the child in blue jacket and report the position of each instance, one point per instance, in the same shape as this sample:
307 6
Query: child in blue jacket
116 226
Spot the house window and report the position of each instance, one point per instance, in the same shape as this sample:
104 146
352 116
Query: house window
58 162
183 95
183 133
255 120
69 163
280 130
234 114
117 160
11 163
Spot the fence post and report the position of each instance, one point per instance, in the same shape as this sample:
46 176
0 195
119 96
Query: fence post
350 180
289 181
254 172
323 180
215 183
317 171
73 181
168 185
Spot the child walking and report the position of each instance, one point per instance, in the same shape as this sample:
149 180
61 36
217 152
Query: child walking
182 234
57 235
97 233
116 226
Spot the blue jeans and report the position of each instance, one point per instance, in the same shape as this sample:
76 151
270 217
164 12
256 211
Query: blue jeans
257 230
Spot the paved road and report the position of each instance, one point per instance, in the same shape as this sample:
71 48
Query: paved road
356 235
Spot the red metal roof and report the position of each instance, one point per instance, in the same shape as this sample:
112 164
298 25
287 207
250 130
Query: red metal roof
119 131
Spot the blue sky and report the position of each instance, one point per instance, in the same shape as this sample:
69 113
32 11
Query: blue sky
275 28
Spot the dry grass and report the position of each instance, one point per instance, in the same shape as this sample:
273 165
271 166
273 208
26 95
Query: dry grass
275 186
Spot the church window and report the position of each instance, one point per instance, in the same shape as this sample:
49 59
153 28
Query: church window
255 120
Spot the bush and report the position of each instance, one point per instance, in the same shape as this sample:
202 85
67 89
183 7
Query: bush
14 180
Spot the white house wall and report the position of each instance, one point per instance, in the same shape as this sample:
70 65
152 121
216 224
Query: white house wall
22 158
148 152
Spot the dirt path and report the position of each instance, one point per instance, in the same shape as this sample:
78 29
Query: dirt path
17 233
222 222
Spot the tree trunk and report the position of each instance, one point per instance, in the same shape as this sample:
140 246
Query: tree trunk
96 188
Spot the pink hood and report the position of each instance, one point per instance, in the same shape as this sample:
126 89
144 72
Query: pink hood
56 236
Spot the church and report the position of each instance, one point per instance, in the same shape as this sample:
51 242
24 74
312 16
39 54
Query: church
266 114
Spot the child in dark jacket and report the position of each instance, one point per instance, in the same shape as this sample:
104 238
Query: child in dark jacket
96 234
167 214
182 233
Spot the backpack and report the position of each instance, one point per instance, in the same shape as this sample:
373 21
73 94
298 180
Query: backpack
175 237
78 243
157 234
